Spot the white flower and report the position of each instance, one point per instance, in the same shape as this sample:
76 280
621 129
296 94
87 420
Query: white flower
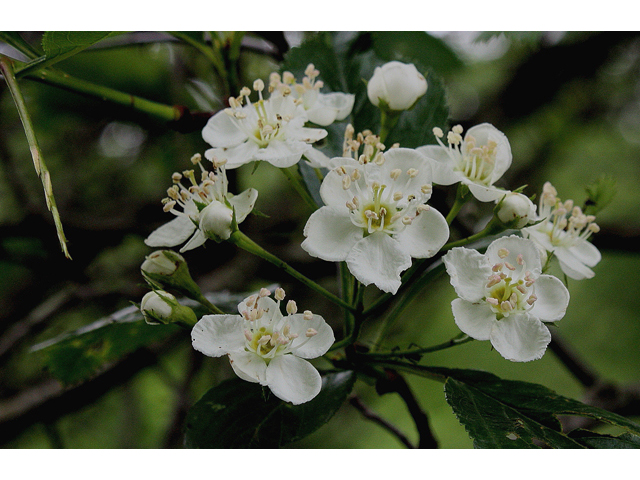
565 232
517 208
504 298
271 130
322 108
375 217
266 348
207 209
397 84
477 161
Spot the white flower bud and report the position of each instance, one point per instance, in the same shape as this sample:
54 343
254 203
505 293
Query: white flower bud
160 264
397 84
156 307
516 206
216 219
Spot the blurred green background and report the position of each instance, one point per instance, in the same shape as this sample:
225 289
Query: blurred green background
568 102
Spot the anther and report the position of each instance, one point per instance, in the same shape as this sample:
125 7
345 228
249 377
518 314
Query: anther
311 332
503 253
279 295
292 307
308 315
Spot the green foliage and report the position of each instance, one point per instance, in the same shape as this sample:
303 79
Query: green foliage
501 413
595 440
78 355
600 194
238 414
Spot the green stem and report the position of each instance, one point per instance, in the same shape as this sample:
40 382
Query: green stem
388 120
241 240
493 227
298 186
346 281
158 110
36 154
212 308
458 340
461 199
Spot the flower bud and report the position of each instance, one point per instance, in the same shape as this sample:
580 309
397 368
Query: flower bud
216 220
160 307
516 210
168 270
161 262
396 85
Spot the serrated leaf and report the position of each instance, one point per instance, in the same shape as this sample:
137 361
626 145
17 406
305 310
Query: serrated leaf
597 440
501 413
236 414
59 46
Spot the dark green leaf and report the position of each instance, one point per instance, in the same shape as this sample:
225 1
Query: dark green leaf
239 414
596 440
58 46
501 413
418 48
77 355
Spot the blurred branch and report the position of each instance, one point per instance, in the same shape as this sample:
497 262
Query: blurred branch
355 401
584 373
50 400
395 383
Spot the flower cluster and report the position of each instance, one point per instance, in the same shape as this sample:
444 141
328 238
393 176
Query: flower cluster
374 218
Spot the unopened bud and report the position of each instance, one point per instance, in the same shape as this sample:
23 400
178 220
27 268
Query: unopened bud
216 220
516 210
396 85
160 307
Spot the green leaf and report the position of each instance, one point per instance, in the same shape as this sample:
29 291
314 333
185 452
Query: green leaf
59 46
501 413
597 440
78 355
239 414
416 47
600 193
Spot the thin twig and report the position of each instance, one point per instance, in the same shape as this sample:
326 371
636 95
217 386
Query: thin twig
584 373
368 413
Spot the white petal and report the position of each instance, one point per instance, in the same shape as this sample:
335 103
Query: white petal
316 158
217 335
292 379
404 159
516 246
474 319
484 193
540 237
571 266
485 132
331 189
243 203
586 252
220 131
198 239
330 234
249 366
378 259
469 272
425 236
520 338
282 154
342 103
553 299
322 115
272 314
171 233
307 135
314 346
235 156
442 164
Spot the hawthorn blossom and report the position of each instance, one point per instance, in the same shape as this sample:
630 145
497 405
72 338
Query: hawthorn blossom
266 347
322 108
203 210
504 298
477 161
398 85
565 231
375 215
271 130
